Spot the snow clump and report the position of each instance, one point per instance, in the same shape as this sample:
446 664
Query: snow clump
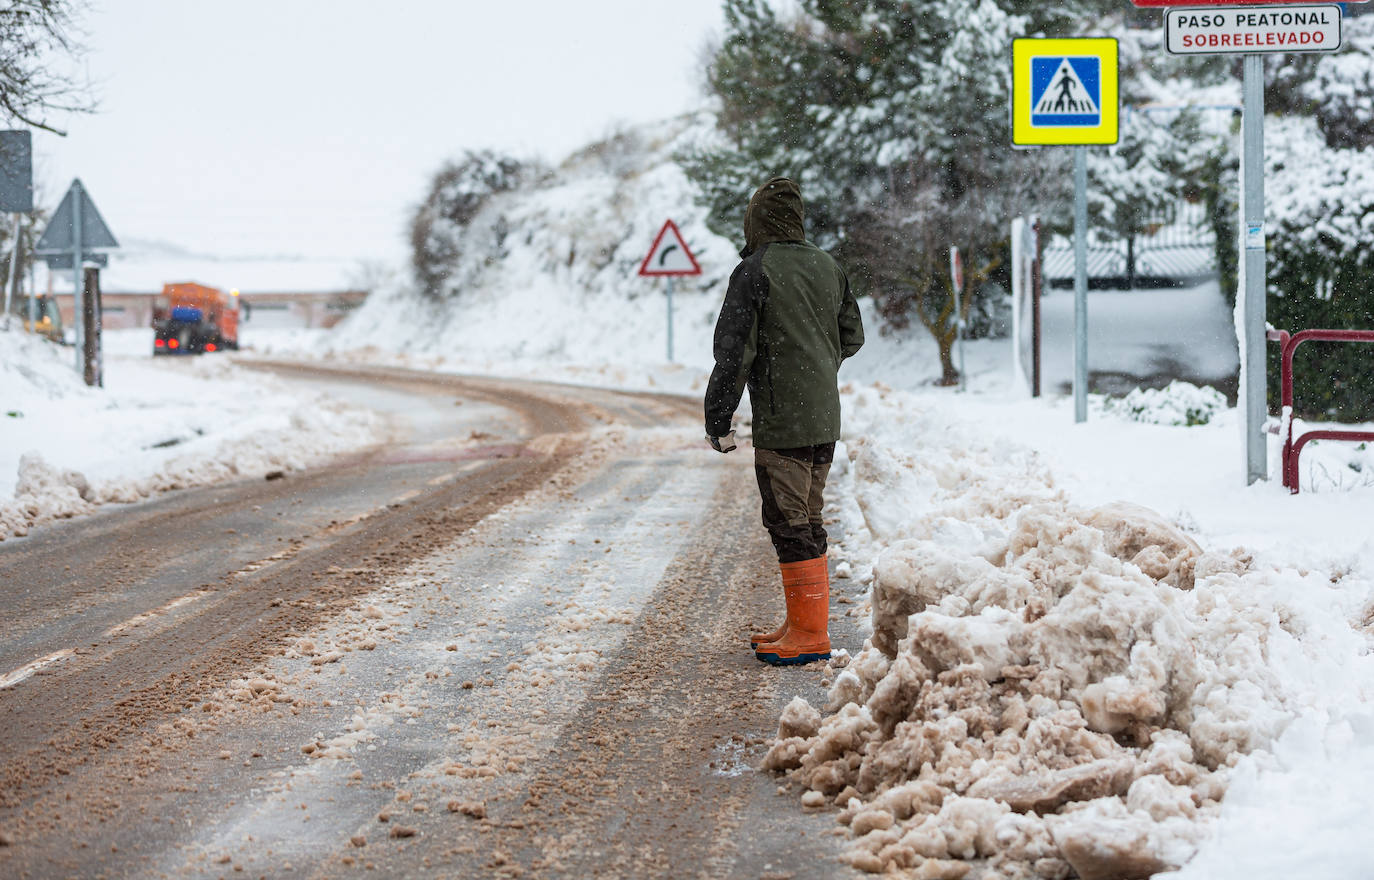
1181 403
1053 691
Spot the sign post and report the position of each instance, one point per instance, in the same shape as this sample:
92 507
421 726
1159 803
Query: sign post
669 257
1254 391
1064 93
76 227
956 277
1025 293
16 194
1251 28
1080 284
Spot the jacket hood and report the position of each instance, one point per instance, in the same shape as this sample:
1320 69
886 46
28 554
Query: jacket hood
774 214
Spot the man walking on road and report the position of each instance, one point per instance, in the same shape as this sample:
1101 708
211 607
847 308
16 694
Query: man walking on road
788 321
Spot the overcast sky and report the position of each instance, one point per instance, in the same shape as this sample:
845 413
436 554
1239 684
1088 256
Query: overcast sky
312 126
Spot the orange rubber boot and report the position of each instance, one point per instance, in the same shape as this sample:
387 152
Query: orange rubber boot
806 585
764 638
788 570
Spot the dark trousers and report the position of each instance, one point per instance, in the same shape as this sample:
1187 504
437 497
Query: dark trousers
792 482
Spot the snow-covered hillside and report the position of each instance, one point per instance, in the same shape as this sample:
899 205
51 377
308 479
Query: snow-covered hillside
548 271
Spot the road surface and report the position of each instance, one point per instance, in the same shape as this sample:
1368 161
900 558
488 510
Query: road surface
509 643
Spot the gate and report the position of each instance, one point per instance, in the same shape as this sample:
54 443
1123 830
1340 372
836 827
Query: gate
1291 450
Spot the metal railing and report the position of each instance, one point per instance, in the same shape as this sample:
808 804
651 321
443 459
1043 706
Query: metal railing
1292 451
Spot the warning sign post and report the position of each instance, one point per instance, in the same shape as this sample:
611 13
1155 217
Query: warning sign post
669 257
1064 93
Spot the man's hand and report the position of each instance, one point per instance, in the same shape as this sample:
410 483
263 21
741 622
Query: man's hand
722 444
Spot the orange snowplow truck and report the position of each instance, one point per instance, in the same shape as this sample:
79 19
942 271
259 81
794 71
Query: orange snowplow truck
192 318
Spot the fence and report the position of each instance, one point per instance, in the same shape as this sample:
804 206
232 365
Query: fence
1293 451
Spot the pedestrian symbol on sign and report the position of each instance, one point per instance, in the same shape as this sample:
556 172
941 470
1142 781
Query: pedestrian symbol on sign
1066 91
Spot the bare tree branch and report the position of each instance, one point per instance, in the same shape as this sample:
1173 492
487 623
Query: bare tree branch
35 37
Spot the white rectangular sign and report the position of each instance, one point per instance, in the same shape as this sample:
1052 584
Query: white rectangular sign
1253 29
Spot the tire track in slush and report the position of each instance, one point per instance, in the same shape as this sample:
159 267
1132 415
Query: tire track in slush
102 695
644 769
653 773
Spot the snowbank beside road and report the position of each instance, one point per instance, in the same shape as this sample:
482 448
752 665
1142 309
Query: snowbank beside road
1059 684
158 425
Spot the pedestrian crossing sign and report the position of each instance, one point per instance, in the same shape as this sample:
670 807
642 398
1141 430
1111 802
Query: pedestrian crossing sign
1064 91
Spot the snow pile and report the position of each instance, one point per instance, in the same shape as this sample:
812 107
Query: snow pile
1180 403
158 425
1054 691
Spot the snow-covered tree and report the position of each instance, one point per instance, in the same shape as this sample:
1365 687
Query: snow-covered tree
1135 185
1319 205
892 115
34 35
457 193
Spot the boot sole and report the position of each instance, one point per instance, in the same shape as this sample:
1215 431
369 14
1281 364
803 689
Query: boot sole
799 660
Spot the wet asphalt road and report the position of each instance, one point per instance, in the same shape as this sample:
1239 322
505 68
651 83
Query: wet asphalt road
510 643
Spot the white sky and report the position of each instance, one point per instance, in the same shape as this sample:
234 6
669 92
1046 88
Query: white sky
311 127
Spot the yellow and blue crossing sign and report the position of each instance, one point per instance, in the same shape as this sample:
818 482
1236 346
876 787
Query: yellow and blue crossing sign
1064 91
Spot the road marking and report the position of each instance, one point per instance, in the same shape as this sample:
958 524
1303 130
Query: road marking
13 678
140 619
10 679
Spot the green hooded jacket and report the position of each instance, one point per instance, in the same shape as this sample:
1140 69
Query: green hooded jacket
788 321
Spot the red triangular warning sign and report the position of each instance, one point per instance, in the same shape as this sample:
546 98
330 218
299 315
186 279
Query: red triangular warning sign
669 255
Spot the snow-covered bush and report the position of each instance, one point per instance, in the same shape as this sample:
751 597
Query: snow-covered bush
456 196
1343 90
1181 403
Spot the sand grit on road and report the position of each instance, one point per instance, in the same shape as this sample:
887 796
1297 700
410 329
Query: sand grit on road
556 685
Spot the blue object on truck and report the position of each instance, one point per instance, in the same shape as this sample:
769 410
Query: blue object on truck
186 314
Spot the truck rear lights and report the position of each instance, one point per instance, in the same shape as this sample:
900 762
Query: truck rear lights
159 343
210 346
172 343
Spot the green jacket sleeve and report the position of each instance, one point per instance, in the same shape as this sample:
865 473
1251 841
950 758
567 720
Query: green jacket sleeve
851 324
734 344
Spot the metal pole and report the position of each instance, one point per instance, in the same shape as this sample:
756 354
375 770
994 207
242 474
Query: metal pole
91 283
956 278
670 319
1253 391
14 263
1080 284
1036 289
33 295
78 293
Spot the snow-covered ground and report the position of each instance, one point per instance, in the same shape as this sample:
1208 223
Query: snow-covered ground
159 424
